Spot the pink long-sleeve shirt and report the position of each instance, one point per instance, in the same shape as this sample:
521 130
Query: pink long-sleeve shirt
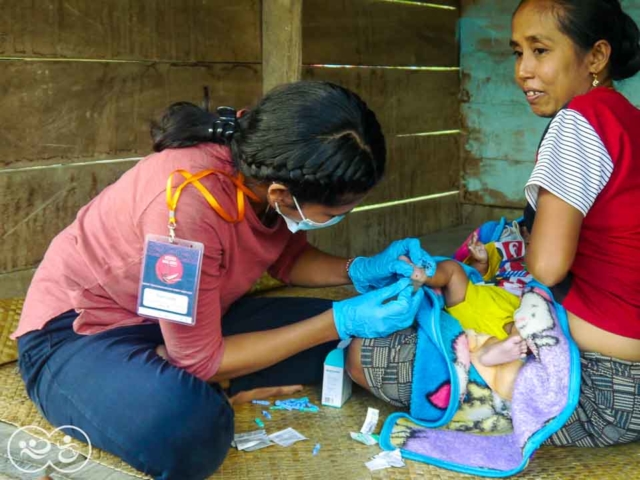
94 265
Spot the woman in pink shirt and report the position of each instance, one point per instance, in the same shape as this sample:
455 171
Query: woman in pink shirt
147 388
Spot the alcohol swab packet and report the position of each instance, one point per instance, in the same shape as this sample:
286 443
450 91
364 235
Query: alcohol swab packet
243 441
371 422
365 438
261 444
392 457
287 437
386 459
377 464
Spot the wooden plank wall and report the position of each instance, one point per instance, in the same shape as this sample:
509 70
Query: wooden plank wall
501 133
385 51
80 80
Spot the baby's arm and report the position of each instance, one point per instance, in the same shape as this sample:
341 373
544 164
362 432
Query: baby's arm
449 276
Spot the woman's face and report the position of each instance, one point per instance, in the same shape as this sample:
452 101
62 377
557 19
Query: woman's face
549 68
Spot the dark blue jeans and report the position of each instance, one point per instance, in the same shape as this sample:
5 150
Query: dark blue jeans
131 402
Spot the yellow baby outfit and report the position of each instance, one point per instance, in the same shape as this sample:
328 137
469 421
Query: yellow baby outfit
487 309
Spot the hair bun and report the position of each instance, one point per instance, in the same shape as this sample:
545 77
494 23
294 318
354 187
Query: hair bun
625 62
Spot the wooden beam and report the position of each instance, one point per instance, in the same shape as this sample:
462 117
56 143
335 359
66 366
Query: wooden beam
281 42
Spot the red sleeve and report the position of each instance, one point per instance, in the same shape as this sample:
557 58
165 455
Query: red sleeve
196 348
295 247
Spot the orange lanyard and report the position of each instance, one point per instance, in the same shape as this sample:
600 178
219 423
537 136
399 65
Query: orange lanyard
172 198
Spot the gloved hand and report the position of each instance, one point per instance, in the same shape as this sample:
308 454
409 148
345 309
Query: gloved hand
369 273
368 316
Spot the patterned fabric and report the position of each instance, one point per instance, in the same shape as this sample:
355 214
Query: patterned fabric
609 409
388 366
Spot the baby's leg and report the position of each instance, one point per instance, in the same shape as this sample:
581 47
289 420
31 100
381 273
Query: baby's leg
497 352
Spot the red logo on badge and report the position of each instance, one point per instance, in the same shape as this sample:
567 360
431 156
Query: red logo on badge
169 269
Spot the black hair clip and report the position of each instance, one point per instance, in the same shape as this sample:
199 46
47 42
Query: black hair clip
225 126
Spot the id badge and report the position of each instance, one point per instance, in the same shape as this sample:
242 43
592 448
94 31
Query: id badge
170 279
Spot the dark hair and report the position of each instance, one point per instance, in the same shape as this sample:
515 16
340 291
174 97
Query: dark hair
588 21
318 139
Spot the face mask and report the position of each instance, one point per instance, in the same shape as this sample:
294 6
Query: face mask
306 224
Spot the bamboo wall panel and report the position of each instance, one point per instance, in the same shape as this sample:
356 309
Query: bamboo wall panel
116 65
408 102
418 166
40 203
370 32
80 82
57 112
369 232
405 101
168 30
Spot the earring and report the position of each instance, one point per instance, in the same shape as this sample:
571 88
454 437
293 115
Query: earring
596 82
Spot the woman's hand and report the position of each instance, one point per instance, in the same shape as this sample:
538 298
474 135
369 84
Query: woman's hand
161 351
375 314
369 273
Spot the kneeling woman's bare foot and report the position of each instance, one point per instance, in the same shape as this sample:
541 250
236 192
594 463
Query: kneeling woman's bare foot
505 351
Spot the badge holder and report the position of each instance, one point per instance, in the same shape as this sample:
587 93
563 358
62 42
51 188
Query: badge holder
170 278
171 267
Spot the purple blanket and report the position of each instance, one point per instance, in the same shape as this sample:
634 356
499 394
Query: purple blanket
545 394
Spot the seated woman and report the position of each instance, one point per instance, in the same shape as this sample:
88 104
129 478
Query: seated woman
148 388
584 230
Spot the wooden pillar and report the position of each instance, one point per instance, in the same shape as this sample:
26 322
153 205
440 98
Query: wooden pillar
281 42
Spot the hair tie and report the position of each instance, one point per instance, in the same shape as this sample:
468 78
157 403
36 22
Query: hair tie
225 126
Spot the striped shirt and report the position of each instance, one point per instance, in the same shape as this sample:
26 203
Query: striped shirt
590 158
573 163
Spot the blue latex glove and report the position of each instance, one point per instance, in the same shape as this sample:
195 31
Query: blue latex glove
369 273
371 315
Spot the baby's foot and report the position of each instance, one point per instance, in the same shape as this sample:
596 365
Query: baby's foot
506 351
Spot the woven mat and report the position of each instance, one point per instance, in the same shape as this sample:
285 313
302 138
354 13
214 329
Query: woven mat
339 457
9 315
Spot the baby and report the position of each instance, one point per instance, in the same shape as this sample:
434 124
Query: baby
485 312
